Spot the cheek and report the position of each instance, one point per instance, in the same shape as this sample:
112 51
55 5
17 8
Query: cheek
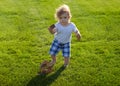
66 19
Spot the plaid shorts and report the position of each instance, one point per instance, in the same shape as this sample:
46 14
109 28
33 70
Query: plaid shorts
57 46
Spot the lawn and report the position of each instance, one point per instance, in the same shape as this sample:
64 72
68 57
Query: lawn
25 42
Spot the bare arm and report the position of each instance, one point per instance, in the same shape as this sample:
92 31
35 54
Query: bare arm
78 35
52 29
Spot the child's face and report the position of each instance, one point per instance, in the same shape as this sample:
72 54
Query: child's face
64 19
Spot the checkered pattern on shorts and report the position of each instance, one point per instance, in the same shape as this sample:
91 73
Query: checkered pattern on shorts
57 46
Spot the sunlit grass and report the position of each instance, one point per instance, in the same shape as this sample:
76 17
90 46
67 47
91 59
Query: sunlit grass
25 42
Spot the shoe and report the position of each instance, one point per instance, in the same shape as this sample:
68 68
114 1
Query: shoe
65 65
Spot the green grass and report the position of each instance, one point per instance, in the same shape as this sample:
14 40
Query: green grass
25 42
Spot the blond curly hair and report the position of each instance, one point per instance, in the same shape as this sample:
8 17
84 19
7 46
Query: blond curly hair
62 9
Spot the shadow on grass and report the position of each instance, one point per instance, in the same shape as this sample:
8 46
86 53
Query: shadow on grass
43 80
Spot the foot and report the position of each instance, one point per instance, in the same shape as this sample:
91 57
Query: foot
65 65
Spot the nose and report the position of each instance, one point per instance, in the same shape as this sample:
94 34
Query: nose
62 19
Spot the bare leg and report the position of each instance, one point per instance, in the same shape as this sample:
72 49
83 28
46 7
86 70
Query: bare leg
66 61
53 59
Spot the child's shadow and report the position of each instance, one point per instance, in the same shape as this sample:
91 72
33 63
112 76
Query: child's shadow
42 80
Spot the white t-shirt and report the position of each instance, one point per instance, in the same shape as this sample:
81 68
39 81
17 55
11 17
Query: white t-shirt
63 33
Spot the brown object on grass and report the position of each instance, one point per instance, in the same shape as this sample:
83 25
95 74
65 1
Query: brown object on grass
45 67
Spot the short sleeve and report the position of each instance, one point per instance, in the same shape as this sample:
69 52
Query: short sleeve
74 27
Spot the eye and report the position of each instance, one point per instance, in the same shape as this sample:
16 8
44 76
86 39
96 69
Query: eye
65 17
60 17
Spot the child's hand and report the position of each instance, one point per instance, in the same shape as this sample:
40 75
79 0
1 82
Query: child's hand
78 37
52 29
